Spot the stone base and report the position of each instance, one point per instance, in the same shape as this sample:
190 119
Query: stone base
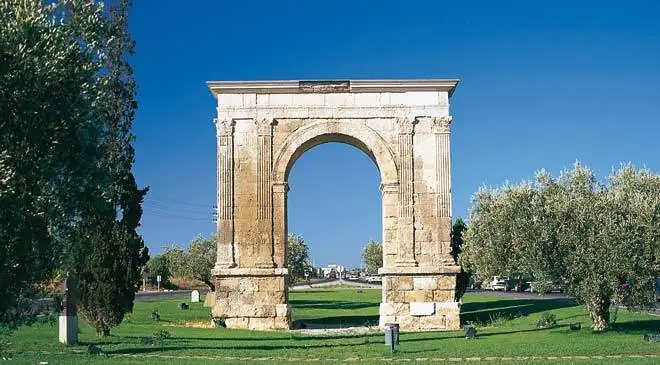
420 302
252 298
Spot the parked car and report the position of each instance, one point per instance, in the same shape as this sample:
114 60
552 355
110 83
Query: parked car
373 279
519 284
353 277
499 283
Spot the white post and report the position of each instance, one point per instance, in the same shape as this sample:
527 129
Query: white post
68 329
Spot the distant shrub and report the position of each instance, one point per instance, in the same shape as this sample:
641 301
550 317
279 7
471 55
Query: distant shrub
161 335
548 319
219 321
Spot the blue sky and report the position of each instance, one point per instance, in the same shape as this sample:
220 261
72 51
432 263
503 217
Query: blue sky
543 84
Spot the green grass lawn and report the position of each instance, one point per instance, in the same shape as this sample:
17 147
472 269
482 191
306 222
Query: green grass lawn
507 330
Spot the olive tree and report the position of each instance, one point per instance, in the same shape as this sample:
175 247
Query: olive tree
600 240
297 256
372 257
196 261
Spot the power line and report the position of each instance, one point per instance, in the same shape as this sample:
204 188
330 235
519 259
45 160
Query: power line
174 216
177 209
164 200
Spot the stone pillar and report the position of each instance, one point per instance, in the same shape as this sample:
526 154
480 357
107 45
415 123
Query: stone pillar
280 190
390 194
420 298
406 224
264 246
441 129
68 326
225 195
252 298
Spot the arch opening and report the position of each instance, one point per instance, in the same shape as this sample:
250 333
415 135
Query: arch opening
356 134
332 185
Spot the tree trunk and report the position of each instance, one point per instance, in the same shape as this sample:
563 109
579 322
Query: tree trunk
210 284
599 311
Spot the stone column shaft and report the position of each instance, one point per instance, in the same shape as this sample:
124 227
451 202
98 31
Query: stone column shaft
406 224
264 193
225 198
441 129
280 189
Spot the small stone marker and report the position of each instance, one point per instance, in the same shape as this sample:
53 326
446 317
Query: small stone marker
68 333
209 299
194 296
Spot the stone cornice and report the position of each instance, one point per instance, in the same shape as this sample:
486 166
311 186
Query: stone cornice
355 86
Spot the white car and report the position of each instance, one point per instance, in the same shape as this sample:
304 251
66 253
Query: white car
499 283
373 279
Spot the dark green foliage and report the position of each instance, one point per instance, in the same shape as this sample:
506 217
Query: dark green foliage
463 278
108 250
195 262
47 139
67 194
457 238
159 265
161 335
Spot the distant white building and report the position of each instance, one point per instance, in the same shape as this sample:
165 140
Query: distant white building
332 270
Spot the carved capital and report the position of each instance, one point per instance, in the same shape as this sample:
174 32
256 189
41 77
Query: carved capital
406 125
224 127
442 124
264 126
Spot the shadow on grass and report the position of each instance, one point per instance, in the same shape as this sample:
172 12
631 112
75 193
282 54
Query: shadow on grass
337 322
485 312
330 304
143 350
651 325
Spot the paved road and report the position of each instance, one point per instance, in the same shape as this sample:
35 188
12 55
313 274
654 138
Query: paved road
356 284
185 294
158 295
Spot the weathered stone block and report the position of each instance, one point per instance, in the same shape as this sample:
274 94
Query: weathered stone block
422 308
453 321
394 309
443 295
248 285
257 323
400 283
281 323
433 322
419 296
395 296
282 310
237 322
447 282
425 283
271 284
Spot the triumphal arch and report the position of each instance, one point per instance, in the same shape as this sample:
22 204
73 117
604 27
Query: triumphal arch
402 125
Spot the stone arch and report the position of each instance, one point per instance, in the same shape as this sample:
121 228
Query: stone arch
355 134
263 127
